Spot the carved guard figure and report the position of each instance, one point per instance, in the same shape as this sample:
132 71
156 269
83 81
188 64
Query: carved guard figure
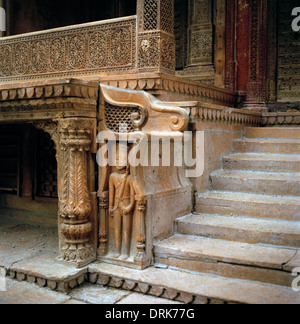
122 204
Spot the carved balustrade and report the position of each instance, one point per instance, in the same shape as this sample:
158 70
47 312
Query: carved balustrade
82 50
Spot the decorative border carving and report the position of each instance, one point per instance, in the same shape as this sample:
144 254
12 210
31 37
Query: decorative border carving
178 85
213 113
56 285
63 89
282 119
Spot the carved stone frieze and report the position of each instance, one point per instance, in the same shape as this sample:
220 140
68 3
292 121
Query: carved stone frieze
281 119
48 101
215 113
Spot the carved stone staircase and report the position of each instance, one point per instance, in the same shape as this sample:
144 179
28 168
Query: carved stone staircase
240 246
247 227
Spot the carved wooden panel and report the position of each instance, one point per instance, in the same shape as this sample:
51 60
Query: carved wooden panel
79 50
288 54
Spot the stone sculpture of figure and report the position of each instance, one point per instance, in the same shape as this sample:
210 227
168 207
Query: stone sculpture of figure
122 204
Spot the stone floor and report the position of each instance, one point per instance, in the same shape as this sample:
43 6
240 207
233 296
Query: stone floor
20 241
24 244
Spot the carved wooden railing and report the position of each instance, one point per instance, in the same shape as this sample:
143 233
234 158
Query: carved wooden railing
85 49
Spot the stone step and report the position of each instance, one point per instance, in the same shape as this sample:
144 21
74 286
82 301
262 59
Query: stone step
191 288
263 162
227 259
272 132
241 229
277 146
275 183
252 205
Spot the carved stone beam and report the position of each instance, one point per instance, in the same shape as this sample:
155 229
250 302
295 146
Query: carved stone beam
75 198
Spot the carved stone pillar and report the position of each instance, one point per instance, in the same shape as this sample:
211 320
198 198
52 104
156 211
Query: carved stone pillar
230 39
200 60
141 231
220 44
156 40
75 205
103 223
256 88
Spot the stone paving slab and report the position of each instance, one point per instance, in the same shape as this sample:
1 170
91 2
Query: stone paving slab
25 293
10 255
31 237
94 294
47 267
23 241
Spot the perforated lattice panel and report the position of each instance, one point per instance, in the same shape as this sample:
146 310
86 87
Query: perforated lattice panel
150 14
119 119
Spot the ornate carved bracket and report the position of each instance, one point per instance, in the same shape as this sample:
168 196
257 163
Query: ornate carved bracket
166 116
